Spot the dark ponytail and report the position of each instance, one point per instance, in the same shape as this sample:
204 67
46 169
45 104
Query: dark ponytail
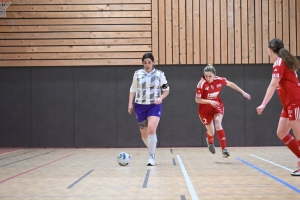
277 46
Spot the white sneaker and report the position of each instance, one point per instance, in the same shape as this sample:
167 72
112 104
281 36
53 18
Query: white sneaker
151 161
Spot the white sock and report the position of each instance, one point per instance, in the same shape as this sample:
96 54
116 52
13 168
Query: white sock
152 140
145 141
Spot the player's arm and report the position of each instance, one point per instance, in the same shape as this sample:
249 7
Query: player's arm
164 87
237 88
269 93
132 92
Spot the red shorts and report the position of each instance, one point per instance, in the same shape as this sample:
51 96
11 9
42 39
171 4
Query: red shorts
207 113
292 111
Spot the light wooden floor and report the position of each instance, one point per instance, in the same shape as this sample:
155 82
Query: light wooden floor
89 174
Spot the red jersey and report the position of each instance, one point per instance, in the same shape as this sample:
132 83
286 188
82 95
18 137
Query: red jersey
211 90
289 87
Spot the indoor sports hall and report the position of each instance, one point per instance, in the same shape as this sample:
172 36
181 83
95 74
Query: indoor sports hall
67 69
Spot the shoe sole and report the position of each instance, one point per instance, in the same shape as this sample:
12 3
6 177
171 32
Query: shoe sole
225 156
150 164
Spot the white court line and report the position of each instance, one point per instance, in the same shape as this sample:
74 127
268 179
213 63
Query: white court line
272 163
187 179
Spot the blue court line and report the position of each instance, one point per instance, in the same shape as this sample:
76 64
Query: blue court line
27 158
70 186
270 175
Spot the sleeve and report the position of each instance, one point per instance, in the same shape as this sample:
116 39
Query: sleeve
278 69
199 89
224 81
133 87
163 82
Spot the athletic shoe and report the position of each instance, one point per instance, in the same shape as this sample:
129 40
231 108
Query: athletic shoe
211 147
296 173
151 161
225 153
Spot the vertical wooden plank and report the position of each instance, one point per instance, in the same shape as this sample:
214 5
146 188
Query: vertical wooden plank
272 21
285 24
182 33
244 17
298 28
237 28
272 30
265 30
168 11
189 32
196 31
224 31
293 34
278 17
230 32
217 32
161 30
210 32
175 31
154 38
203 49
251 31
258 32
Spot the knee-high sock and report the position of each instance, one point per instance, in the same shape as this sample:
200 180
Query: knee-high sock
152 140
210 138
222 138
145 140
292 144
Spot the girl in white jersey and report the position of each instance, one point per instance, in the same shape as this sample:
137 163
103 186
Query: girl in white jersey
146 88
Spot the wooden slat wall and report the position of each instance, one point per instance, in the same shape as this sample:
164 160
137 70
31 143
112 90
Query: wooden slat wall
77 33
119 32
227 31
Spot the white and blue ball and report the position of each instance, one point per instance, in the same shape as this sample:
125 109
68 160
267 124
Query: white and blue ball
123 158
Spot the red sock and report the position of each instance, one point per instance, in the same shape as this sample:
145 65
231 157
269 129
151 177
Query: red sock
210 138
222 138
292 144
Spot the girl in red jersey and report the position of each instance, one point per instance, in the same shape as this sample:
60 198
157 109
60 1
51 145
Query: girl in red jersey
285 81
210 106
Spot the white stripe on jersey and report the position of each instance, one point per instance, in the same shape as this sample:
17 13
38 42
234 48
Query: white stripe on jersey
147 86
277 62
297 117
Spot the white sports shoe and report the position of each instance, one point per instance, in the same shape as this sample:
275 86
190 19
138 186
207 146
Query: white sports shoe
151 161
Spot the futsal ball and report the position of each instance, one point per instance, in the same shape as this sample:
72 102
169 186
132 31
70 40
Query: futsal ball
123 158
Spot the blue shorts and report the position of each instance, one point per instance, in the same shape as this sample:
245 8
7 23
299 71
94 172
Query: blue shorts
142 112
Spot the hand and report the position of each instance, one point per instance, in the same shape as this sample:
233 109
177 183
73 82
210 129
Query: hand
130 108
215 104
158 101
246 95
260 109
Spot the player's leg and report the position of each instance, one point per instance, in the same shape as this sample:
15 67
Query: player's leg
218 117
295 124
141 114
154 115
210 137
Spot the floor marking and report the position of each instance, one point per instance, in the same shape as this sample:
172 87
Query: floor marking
187 179
80 179
270 175
2 181
272 163
174 162
146 178
16 155
10 152
27 158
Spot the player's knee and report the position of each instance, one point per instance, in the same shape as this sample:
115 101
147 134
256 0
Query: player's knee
143 124
151 130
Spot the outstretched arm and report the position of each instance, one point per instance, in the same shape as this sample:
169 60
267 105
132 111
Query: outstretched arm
269 93
234 86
